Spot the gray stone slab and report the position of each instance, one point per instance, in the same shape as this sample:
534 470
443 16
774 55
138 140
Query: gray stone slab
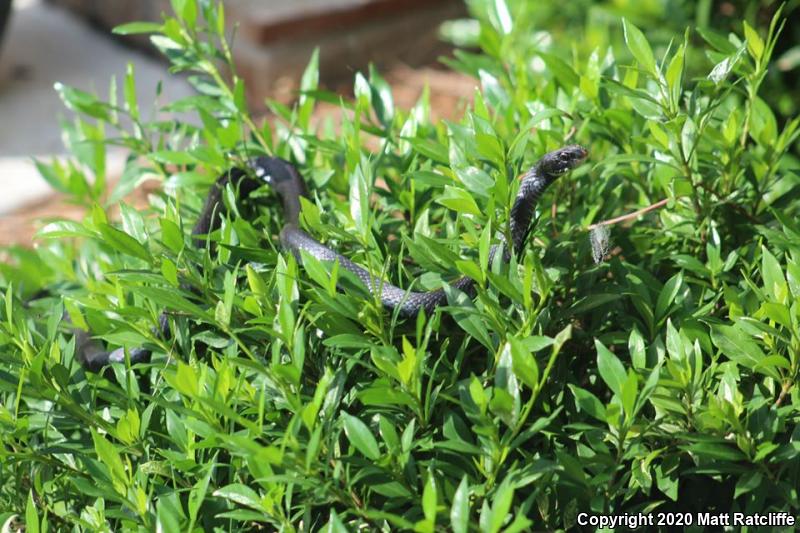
46 44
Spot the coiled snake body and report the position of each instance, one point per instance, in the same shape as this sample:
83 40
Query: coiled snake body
284 178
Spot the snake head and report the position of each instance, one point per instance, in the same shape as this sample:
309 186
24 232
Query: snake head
562 160
272 170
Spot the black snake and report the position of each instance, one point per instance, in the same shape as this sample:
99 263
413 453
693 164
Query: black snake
284 178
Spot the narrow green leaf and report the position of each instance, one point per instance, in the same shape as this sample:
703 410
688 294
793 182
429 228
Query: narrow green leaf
636 349
716 450
675 72
628 396
639 47
308 84
186 380
611 369
458 200
459 510
198 493
771 271
63 228
739 347
361 437
501 505
32 524
755 45
524 364
110 457
588 402
241 494
506 380
134 28
122 242
504 20
429 499
382 100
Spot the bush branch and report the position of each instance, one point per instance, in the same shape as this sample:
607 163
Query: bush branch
629 216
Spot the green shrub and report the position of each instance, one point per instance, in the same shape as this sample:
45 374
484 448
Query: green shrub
646 366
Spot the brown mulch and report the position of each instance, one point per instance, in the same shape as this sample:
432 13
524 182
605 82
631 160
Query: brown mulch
449 94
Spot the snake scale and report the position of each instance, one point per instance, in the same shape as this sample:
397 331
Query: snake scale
285 180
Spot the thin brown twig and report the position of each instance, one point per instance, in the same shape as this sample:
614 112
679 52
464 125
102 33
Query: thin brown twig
787 386
635 214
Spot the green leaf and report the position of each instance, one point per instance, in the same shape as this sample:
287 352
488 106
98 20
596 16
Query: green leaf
501 505
198 493
588 402
740 348
639 47
171 235
628 396
124 243
63 228
524 364
178 6
748 482
674 73
134 28
361 437
431 149
110 457
611 369
168 512
506 380
241 494
793 277
334 524
459 510
186 380
467 316
503 16
129 92
308 83
716 450
771 271
754 43
565 74
458 200
53 175
189 13
382 101
83 102
721 70
636 349
172 157
31 516
667 295
429 499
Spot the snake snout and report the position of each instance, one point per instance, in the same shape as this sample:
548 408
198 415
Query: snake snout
574 153
562 160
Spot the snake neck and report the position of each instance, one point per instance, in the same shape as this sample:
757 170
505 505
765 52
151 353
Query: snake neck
534 183
214 208
284 180
290 192
276 172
